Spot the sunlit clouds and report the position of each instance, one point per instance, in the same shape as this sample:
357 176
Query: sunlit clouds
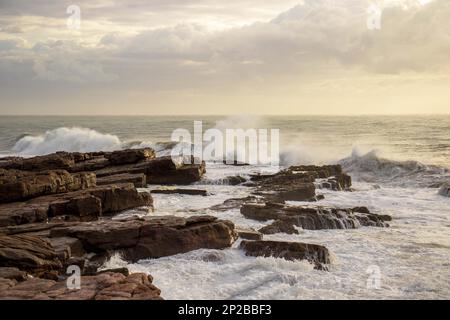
221 57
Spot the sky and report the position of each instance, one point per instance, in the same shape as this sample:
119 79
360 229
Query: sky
222 57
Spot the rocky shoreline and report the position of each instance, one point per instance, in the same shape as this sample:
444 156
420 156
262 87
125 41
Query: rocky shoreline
56 212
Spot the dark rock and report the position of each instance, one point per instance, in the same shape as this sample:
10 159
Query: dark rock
129 156
315 254
192 192
22 185
123 271
139 180
286 225
445 190
151 237
311 218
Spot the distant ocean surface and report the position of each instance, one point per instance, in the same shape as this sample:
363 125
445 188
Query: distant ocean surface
397 164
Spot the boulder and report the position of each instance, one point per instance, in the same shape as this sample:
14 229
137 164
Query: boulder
151 237
318 255
59 160
104 286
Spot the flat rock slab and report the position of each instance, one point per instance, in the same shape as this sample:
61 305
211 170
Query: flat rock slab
191 192
249 234
84 205
311 218
151 237
104 286
139 180
318 255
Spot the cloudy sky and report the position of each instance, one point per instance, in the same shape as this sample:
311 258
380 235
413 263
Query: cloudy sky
225 57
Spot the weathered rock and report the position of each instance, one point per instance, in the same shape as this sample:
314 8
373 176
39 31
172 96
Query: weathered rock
22 185
151 237
104 286
13 274
59 160
139 180
311 218
191 192
162 170
83 205
249 234
129 156
28 253
285 225
315 254
234 203
66 247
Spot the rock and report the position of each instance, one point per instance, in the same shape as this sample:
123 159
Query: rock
22 185
445 190
151 237
123 271
191 192
162 170
234 203
13 274
315 254
59 160
82 205
66 247
249 234
28 253
130 156
104 286
311 218
234 180
139 180
286 225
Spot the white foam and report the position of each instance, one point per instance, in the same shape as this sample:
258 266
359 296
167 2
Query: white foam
67 139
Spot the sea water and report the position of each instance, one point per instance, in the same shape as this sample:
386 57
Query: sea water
397 164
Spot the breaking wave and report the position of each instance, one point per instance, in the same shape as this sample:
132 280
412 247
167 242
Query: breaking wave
66 139
370 167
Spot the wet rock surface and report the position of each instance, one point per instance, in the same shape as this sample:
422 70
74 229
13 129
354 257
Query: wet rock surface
318 255
311 218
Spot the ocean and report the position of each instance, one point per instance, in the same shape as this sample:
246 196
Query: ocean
397 164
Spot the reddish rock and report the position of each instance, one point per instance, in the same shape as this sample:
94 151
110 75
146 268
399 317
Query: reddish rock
28 253
152 237
249 234
104 286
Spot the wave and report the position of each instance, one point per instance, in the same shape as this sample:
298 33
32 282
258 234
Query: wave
66 139
370 167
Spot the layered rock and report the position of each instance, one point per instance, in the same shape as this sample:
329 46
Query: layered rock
83 205
29 253
445 190
191 192
318 255
151 237
18 185
311 218
139 180
104 286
